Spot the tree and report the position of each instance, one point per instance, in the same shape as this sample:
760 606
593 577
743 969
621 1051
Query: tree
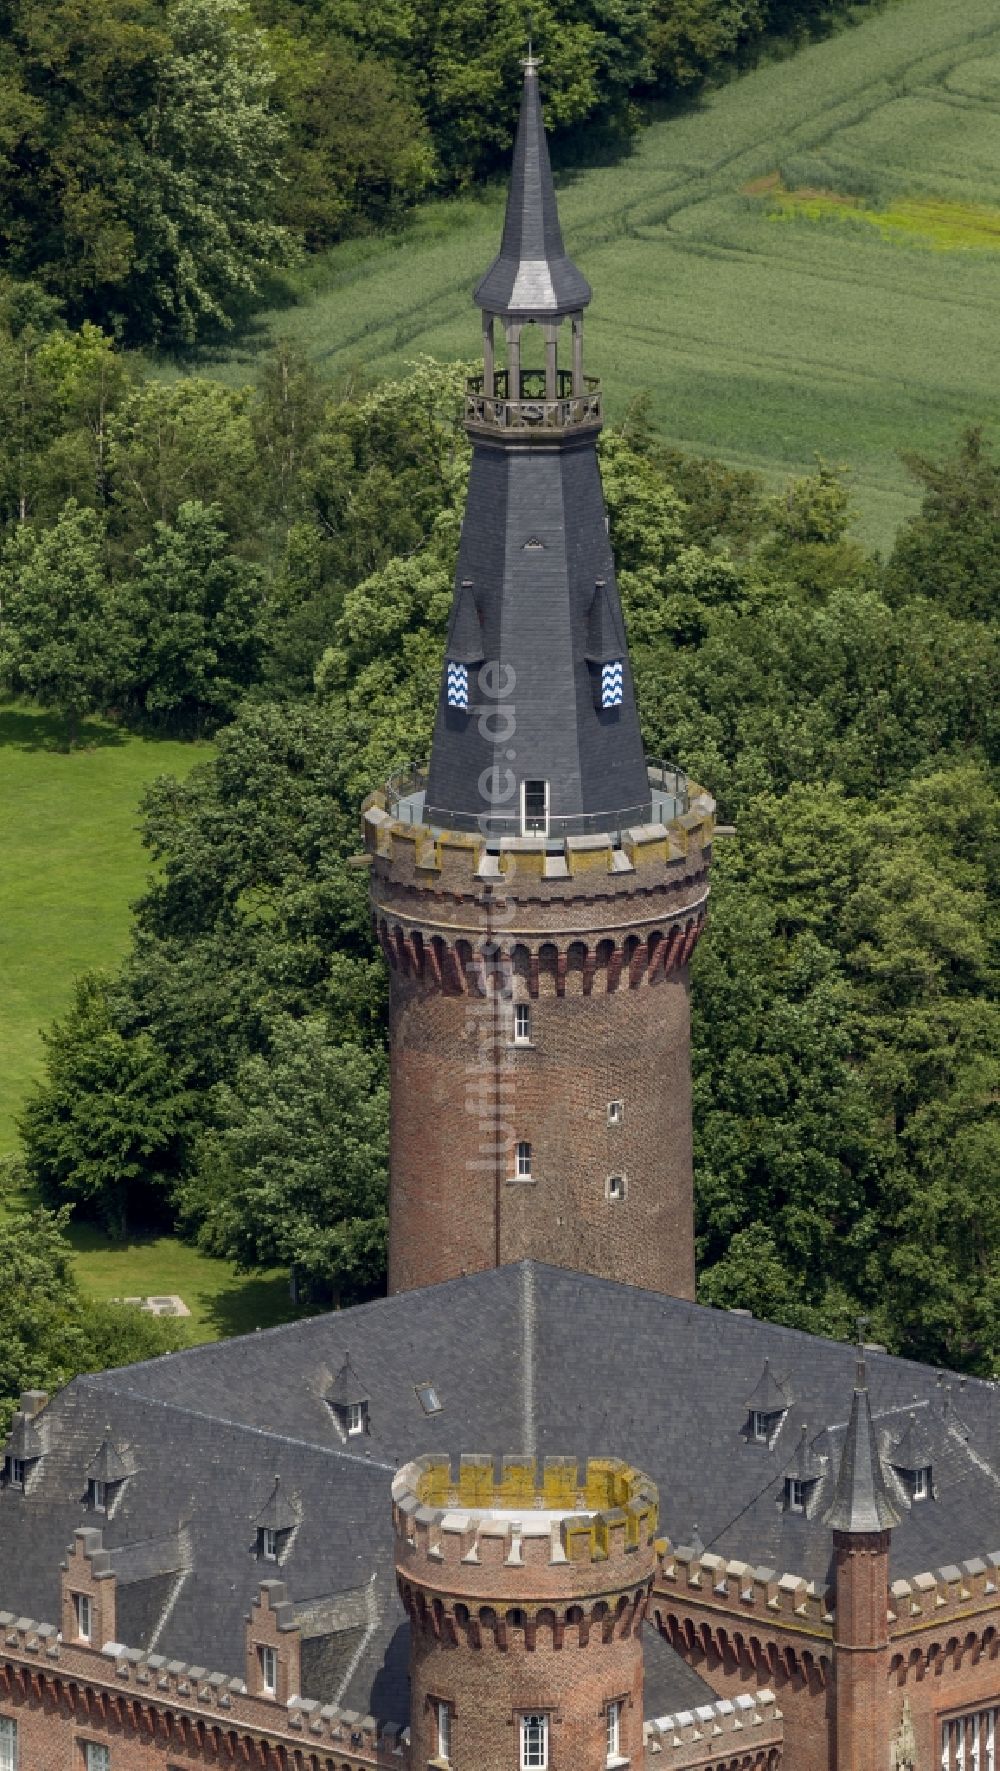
104 1128
297 1172
950 552
48 1331
138 160
197 615
170 444
62 639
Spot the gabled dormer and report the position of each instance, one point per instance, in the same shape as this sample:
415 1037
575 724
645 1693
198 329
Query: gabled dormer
349 1402
766 1406
25 1446
275 1525
912 1457
802 1476
105 1477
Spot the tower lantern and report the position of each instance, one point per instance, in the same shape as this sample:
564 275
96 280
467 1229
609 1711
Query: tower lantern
539 889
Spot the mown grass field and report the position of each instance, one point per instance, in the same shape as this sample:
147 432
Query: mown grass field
71 863
762 337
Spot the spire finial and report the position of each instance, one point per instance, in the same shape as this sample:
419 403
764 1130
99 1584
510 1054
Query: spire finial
530 63
861 1369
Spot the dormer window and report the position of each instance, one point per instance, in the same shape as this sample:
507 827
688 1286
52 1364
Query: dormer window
912 1457
766 1408
15 1472
922 1483
348 1402
267 1544
795 1494
275 1525
106 1473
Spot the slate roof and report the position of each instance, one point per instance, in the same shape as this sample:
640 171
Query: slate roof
532 273
767 1396
277 1513
107 1466
525 1358
914 1449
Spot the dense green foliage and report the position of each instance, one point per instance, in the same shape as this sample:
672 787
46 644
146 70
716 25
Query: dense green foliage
232 1076
48 1331
157 156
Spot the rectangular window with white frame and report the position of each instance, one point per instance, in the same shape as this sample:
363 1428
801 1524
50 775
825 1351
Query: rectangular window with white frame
758 1426
534 808
96 1756
972 1742
616 1112
795 1494
922 1484
523 1162
534 1742
444 1732
268 1544
355 1417
268 1662
97 1495
522 1024
8 1744
614 1719
84 1614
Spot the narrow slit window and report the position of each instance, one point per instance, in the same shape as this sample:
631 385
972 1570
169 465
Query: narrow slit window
458 686
268 1670
616 1188
534 1743
614 1732
616 1112
8 1744
84 1616
613 683
444 1732
535 808
522 1024
524 1162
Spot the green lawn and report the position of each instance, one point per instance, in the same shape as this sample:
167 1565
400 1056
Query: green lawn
71 863
762 339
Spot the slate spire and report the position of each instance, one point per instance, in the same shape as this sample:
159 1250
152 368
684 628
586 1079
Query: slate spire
532 273
537 730
862 1502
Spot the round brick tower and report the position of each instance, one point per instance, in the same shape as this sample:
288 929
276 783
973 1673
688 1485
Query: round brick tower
526 1600
539 889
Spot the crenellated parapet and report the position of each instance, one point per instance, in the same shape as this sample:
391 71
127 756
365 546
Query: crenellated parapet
595 914
746 1730
784 1600
482 1551
948 1614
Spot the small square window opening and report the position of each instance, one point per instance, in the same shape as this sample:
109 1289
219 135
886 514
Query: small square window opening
268 1670
522 1024
616 1112
428 1398
534 1743
84 1616
616 1188
524 1162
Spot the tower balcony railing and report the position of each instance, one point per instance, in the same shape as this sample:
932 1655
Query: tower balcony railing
669 798
576 405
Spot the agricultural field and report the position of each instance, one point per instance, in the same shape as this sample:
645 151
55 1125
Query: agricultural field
72 865
805 261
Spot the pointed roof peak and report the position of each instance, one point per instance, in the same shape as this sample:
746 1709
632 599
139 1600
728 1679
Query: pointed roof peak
532 274
862 1502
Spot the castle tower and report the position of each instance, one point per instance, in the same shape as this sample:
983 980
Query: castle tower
538 892
526 1602
862 1516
